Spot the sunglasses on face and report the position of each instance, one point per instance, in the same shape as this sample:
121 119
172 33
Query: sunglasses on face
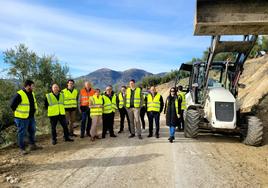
172 91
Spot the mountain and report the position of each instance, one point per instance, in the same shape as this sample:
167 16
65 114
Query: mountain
161 74
103 77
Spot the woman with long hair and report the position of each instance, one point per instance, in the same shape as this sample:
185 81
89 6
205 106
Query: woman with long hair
172 111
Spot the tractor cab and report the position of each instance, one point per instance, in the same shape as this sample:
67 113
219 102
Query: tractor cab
213 86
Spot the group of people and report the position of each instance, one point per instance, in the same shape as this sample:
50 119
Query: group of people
96 109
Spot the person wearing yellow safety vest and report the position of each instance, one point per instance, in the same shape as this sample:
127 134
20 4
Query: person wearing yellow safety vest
54 103
172 111
109 108
154 106
181 95
134 101
24 106
70 104
96 111
121 105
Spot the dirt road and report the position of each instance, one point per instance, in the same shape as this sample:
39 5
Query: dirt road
209 161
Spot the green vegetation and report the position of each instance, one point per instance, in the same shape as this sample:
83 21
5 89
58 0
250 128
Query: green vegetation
155 80
25 64
261 45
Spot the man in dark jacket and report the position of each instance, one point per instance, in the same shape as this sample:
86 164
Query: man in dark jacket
109 108
154 106
54 103
121 104
24 106
143 112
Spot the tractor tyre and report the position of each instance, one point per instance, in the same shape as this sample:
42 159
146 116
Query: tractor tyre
192 119
254 134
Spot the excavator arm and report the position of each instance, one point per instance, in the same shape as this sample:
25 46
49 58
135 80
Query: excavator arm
231 17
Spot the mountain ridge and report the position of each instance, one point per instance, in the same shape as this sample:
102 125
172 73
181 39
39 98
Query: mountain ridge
102 77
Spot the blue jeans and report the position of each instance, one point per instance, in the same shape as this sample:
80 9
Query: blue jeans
85 118
24 126
151 117
172 128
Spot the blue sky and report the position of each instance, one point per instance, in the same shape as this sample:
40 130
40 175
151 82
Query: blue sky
154 35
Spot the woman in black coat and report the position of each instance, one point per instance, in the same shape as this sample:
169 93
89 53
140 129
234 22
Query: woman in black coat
172 111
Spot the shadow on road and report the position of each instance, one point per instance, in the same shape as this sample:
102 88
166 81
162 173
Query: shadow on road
123 141
92 162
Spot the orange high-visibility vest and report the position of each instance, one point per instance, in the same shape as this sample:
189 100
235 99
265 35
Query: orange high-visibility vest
84 96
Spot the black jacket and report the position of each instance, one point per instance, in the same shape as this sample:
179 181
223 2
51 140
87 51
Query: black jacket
170 110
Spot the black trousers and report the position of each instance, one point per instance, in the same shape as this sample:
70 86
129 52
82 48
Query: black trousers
108 124
181 121
142 114
123 114
153 116
54 121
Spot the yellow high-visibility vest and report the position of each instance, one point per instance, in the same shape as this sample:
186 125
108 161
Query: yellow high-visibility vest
55 106
137 98
153 104
23 109
183 100
109 106
70 98
121 100
94 110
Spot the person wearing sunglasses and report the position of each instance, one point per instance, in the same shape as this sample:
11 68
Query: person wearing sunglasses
172 110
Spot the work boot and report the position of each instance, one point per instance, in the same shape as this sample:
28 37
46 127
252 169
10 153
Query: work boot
131 136
69 140
171 139
54 142
97 137
72 134
35 147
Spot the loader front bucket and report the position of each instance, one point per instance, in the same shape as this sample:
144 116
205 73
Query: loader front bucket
231 17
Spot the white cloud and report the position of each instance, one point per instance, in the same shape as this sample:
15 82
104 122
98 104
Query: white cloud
80 40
